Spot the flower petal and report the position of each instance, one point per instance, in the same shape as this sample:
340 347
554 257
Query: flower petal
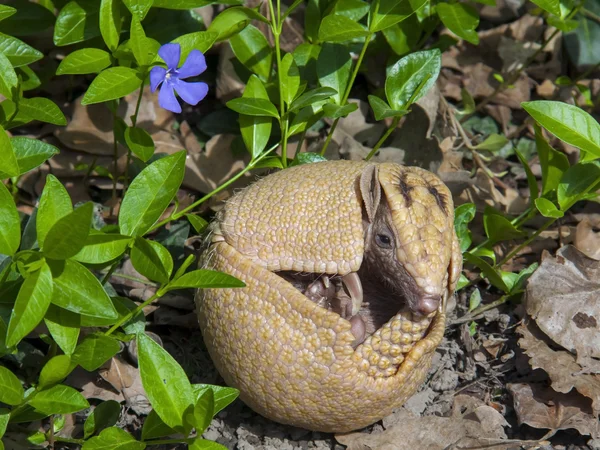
157 75
194 65
166 98
170 53
191 93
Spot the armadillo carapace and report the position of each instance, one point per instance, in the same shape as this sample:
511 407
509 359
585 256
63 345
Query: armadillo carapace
348 266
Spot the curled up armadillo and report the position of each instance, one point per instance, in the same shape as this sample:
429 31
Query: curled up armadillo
348 266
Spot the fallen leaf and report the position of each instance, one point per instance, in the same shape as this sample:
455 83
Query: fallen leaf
541 407
563 297
433 433
587 240
560 365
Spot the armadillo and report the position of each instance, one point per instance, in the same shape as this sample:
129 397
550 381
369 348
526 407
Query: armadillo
348 266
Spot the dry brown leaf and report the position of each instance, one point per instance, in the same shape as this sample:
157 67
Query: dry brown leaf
356 125
126 379
209 169
560 365
463 430
91 127
229 85
563 297
544 408
587 240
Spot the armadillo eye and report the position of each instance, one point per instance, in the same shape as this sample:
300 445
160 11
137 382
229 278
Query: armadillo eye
383 240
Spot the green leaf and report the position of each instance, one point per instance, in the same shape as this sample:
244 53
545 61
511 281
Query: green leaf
334 111
463 215
474 299
353 9
77 21
403 37
461 19
84 61
290 82
165 382
154 427
12 390
488 271
8 77
307 158
64 333
563 25
576 182
499 228
186 4
105 415
68 235
138 42
138 8
252 49
55 204
311 97
150 194
10 223
333 68
95 350
493 143
197 222
101 248
152 260
17 51
139 142
233 20
204 444
253 107
31 305
552 6
411 77
547 208
31 153
113 438
204 279
110 84
203 412
4 413
391 12
31 19
42 109
59 399
306 56
304 119
223 395
382 110
55 370
110 23
9 166
199 40
5 12
568 123
337 28
256 130
78 290
534 191
552 162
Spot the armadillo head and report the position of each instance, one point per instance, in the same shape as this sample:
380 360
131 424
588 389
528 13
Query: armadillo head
409 235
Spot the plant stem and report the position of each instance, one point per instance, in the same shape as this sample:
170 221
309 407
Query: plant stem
384 137
348 89
115 164
134 118
276 26
184 211
132 313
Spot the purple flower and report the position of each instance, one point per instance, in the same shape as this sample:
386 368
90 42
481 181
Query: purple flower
171 78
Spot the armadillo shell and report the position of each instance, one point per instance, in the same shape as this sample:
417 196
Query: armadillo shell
292 360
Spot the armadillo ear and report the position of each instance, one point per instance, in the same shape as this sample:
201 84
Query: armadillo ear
370 189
